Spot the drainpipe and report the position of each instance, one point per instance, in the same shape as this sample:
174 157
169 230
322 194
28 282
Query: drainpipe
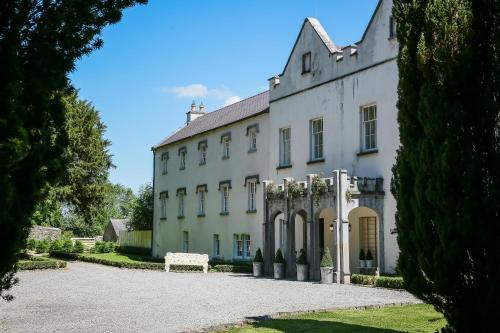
337 224
154 200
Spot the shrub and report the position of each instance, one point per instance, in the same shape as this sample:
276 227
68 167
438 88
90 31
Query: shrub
278 259
134 250
326 261
56 246
390 282
363 279
362 255
109 247
67 246
78 247
302 259
31 244
42 246
258 256
369 255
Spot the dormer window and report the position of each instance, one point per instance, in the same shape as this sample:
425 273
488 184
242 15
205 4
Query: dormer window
306 63
224 140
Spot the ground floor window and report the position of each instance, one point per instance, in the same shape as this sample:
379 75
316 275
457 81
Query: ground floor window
185 242
216 250
242 249
368 235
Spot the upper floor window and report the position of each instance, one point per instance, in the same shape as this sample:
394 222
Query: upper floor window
164 163
224 140
316 139
181 194
252 193
285 147
201 190
163 204
392 27
306 62
182 158
252 131
202 147
224 188
369 128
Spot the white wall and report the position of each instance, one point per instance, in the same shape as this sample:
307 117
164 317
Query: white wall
168 233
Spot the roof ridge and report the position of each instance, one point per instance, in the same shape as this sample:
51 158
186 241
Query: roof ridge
232 104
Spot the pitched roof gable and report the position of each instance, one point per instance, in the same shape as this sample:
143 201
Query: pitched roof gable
238 111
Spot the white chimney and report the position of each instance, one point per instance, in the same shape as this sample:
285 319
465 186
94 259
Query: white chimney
193 114
274 81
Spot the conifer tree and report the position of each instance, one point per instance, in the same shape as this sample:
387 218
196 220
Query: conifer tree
447 174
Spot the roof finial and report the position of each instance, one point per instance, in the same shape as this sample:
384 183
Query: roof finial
202 107
193 106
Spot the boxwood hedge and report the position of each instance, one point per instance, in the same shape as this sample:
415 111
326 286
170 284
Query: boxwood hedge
382 281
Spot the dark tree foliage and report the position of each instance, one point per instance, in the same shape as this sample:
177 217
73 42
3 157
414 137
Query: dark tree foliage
142 213
447 175
39 44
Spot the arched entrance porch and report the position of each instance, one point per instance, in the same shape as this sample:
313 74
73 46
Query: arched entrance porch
363 235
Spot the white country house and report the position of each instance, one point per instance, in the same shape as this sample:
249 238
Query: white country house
328 119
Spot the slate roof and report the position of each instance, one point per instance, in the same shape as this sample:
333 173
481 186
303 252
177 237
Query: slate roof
238 111
119 225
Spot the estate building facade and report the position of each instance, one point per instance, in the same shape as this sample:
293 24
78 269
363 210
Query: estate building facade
306 164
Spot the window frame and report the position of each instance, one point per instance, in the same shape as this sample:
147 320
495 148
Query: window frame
316 135
182 158
216 246
306 63
285 151
225 199
181 207
185 241
242 246
372 123
252 195
202 202
163 205
164 163
252 135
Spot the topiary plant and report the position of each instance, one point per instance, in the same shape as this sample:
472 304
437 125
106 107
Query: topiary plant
362 254
369 255
78 247
327 261
258 256
67 246
278 259
302 259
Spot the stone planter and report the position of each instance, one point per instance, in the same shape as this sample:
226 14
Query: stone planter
302 272
368 263
362 263
279 271
258 268
327 275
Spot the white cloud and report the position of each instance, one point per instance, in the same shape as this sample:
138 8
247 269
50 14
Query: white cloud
231 100
189 91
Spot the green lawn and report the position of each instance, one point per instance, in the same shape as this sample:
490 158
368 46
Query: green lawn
408 318
120 257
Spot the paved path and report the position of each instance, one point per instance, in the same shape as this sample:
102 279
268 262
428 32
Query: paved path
88 297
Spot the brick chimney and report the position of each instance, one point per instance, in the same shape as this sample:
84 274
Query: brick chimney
193 114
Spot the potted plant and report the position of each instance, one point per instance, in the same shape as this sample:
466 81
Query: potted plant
279 265
369 259
362 259
327 267
302 266
258 263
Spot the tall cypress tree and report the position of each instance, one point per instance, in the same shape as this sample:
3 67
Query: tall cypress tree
447 174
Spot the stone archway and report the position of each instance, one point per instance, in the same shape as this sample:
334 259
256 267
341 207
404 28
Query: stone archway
297 239
273 239
364 234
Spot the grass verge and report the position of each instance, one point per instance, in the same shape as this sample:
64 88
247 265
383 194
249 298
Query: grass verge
420 318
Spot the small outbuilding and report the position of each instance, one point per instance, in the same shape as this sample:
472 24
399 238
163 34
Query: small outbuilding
113 229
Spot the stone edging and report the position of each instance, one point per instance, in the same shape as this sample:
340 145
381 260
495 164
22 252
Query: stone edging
276 315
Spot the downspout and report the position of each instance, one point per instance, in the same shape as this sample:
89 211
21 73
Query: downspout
337 228
154 200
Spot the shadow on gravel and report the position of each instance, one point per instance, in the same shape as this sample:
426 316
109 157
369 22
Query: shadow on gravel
316 326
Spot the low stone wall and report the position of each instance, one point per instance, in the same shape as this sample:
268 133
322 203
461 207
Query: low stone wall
44 233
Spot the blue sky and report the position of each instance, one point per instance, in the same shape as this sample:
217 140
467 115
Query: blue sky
161 56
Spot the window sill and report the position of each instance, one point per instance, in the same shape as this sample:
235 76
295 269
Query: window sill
163 218
368 152
251 211
284 167
252 151
180 217
319 160
224 213
200 215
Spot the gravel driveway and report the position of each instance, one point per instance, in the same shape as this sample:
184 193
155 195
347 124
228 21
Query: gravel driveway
88 297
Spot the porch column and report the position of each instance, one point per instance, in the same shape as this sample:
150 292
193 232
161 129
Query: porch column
287 232
313 255
267 232
346 273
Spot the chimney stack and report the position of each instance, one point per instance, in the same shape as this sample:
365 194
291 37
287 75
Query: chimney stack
193 113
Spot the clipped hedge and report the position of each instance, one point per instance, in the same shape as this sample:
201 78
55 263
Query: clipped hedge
231 268
102 261
382 281
40 263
